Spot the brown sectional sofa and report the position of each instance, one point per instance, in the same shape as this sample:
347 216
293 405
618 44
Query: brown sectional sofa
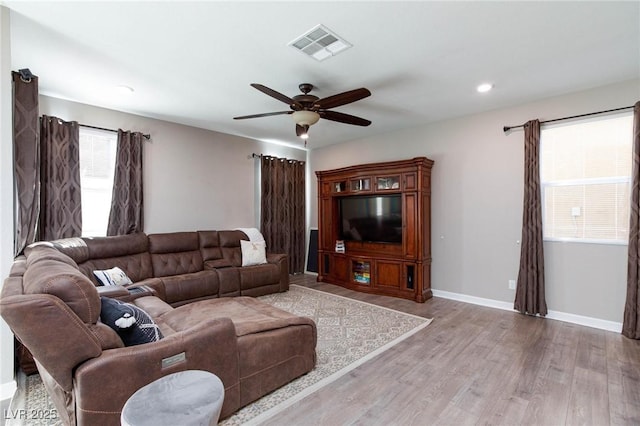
193 286
181 267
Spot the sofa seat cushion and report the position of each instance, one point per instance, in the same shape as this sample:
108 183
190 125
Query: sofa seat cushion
185 287
153 305
248 315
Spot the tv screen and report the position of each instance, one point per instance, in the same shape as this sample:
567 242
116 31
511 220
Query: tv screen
371 218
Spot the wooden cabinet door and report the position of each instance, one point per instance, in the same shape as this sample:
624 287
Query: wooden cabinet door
389 274
409 230
326 238
341 268
410 181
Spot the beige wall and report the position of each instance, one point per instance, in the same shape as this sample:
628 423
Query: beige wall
194 179
477 204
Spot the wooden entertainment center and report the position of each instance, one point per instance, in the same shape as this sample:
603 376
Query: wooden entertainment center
387 243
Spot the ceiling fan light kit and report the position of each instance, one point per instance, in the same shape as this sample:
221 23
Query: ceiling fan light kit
303 117
307 109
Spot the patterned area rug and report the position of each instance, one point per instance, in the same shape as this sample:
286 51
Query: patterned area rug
350 333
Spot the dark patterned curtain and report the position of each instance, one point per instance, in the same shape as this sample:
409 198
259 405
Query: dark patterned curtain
60 197
283 208
126 215
530 298
25 160
631 322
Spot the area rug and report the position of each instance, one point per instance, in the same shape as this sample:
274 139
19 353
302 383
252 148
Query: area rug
350 333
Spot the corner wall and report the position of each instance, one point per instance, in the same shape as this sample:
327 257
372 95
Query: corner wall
7 383
477 205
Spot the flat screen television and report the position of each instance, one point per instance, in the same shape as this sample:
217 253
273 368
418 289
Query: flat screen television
371 218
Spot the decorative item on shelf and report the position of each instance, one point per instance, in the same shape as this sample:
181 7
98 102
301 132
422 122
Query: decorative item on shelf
389 183
360 185
362 272
339 246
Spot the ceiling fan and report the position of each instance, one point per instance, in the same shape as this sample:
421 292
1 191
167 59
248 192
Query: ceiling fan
307 109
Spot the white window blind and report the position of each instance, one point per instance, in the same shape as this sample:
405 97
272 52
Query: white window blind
585 173
97 165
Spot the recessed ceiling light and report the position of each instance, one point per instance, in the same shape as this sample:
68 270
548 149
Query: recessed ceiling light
125 89
484 88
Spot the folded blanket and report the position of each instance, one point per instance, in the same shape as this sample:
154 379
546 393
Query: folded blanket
254 234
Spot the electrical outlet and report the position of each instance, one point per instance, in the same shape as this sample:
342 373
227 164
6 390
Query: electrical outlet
512 284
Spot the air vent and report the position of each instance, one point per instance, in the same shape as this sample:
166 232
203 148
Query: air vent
320 43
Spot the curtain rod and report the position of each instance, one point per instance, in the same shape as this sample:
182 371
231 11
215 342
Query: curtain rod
507 128
147 136
254 155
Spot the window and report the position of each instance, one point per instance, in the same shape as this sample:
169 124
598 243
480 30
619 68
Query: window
585 173
97 165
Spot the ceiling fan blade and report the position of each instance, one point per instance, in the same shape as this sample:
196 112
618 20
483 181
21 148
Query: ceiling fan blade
266 114
342 98
279 96
344 118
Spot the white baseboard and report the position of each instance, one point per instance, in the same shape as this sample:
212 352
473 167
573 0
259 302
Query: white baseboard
7 390
554 315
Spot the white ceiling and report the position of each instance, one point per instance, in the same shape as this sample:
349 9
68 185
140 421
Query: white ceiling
192 62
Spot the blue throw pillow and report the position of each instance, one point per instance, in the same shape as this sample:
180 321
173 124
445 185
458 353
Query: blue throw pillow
133 325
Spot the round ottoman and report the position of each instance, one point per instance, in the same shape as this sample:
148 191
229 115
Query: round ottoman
191 397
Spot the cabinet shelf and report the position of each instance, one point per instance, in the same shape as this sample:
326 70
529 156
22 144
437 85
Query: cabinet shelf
361 271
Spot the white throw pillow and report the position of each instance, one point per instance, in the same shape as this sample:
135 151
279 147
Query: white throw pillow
113 276
253 252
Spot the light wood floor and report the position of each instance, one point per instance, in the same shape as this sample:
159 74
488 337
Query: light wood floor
481 366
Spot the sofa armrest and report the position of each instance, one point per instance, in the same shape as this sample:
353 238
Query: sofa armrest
282 260
112 291
155 284
103 384
276 257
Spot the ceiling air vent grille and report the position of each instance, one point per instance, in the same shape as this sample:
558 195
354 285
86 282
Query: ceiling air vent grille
320 43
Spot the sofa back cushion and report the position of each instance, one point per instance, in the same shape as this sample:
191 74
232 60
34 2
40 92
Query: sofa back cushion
51 272
175 253
74 247
127 252
230 246
57 338
210 245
